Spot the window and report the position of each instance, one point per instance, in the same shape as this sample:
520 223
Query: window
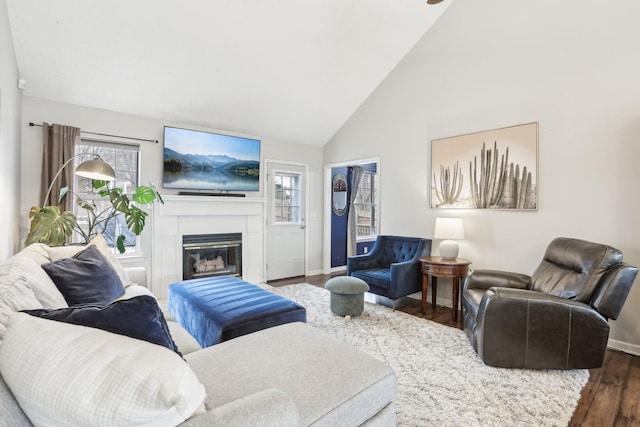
287 203
124 159
365 206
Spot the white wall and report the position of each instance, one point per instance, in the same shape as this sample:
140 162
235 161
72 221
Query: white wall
10 107
93 120
573 67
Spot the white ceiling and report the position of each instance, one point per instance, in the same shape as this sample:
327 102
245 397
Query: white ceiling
289 70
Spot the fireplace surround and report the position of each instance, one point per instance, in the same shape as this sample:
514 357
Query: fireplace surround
190 215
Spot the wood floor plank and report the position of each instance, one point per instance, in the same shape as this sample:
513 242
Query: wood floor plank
610 398
589 394
603 410
630 402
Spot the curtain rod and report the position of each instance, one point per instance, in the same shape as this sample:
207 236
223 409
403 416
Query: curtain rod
106 134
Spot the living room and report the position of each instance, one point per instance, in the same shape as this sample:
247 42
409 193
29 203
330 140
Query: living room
569 66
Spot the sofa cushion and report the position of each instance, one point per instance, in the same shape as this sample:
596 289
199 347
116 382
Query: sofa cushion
401 251
12 413
342 385
60 252
43 287
380 277
266 408
37 252
85 278
63 375
139 317
14 296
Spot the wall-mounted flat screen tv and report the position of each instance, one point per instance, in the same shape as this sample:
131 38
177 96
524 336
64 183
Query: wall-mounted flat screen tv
197 160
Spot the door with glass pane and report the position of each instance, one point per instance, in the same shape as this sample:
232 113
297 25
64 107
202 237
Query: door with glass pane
286 222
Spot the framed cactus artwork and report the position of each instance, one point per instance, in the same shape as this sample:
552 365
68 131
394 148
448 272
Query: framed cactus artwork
493 169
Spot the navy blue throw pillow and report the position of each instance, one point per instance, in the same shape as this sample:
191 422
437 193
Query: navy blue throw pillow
85 278
138 317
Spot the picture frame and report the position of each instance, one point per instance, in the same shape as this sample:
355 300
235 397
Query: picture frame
493 169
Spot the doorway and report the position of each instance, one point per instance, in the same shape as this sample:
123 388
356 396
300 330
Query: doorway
286 227
364 206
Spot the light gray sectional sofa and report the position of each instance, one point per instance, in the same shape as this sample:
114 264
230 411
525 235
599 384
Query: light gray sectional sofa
289 375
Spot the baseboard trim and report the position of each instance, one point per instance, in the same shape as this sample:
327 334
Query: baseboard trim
624 346
314 272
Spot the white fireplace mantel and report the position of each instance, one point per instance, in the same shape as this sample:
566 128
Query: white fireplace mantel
180 215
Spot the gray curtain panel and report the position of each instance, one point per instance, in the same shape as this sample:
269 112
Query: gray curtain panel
59 143
356 176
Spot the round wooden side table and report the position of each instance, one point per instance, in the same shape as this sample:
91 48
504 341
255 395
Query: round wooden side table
436 266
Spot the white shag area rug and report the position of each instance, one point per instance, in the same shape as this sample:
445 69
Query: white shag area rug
441 379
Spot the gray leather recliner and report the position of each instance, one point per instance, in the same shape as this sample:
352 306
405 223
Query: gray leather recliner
554 319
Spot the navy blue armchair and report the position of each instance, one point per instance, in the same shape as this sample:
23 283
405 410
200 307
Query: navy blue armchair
392 267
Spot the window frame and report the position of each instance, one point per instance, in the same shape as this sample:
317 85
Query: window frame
297 207
373 190
95 144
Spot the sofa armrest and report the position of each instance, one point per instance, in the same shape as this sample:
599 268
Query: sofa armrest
362 262
404 268
271 407
527 329
485 279
137 275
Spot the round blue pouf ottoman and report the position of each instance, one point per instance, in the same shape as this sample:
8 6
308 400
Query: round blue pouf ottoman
347 295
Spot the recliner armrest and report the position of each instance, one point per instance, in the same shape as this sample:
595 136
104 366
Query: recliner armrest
485 279
527 329
613 290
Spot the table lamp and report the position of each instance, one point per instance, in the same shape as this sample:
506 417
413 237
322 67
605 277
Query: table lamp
448 229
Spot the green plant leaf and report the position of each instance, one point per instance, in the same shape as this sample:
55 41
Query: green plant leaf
144 195
97 183
110 192
63 192
120 243
85 205
34 210
135 219
50 226
120 202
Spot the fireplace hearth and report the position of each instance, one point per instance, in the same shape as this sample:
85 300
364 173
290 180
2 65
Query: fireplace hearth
206 255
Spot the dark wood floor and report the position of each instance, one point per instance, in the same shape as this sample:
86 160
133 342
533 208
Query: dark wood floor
610 398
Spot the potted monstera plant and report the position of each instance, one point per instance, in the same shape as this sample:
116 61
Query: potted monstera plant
51 226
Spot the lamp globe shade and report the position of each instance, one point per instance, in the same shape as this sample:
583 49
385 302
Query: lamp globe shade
96 169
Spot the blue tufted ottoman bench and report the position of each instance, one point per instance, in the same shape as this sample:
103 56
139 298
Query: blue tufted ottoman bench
216 309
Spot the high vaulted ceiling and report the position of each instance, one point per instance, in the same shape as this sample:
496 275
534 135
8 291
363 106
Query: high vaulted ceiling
290 70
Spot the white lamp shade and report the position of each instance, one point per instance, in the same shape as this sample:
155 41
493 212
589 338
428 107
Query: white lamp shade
449 228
